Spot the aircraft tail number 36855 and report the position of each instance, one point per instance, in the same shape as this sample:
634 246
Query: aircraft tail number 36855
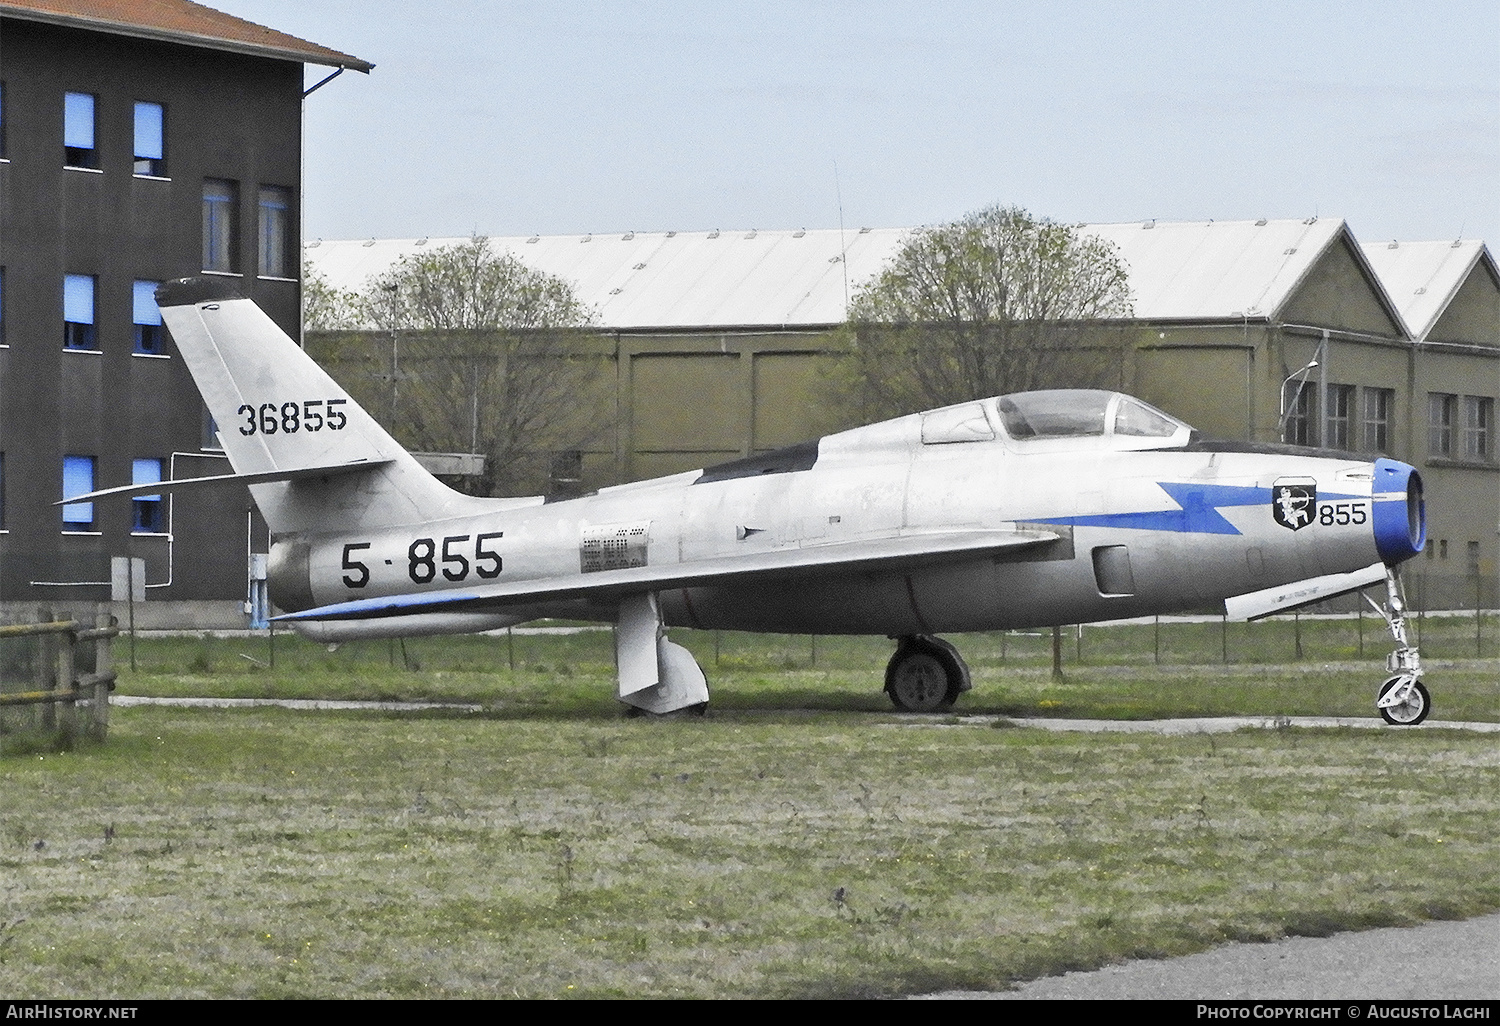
1033 509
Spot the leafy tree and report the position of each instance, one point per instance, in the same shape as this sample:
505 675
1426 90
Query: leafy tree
485 357
324 307
998 301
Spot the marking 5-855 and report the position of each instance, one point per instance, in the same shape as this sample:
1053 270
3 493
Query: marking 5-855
289 418
424 558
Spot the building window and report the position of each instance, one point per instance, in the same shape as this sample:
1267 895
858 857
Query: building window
78 131
210 440
1300 419
1442 411
221 204
147 317
1479 416
148 516
1377 418
1340 407
78 479
150 139
275 231
79 330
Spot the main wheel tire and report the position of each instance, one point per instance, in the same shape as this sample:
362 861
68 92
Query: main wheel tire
918 681
1410 712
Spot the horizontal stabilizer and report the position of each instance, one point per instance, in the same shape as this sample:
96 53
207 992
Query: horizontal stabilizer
871 555
266 477
1287 597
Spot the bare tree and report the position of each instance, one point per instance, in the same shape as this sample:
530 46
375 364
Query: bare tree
998 301
486 357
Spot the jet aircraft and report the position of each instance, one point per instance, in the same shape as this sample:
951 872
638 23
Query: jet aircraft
1025 510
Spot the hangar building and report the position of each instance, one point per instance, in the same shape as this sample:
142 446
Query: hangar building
719 343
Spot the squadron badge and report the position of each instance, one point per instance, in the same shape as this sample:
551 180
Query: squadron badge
1294 504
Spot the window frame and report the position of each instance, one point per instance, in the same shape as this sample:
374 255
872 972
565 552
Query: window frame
150 335
1442 412
221 234
80 336
1379 425
1339 407
78 467
1478 429
147 165
147 511
267 244
85 158
1302 417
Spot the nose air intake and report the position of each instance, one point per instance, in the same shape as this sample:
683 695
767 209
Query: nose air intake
1400 527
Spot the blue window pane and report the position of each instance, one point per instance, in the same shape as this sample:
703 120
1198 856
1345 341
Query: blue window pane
78 121
78 298
78 479
147 508
148 131
143 303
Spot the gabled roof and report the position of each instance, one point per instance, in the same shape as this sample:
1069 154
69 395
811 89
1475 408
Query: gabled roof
179 21
1215 270
1423 277
670 280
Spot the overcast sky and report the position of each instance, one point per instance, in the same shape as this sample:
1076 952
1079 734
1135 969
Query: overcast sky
562 116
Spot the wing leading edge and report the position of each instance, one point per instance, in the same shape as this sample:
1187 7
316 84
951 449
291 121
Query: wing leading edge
885 554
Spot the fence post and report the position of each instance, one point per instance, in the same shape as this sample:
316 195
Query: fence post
45 668
103 668
64 682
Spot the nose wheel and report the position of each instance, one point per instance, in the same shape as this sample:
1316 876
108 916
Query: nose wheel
1403 700
1410 705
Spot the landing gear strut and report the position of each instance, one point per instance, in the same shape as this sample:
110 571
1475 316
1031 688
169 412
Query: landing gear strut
1403 701
926 674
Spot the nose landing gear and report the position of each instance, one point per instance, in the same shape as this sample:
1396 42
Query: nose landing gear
1403 701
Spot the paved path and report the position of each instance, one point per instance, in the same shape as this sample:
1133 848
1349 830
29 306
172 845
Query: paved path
324 704
1434 961
1199 725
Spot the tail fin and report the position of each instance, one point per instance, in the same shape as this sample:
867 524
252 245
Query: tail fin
278 412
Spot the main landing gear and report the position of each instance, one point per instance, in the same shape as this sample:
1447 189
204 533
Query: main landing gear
1403 701
926 674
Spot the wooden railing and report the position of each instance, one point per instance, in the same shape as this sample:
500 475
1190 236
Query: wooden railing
60 690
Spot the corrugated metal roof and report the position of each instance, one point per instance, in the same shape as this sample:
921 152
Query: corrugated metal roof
1213 270
179 21
670 280
1423 277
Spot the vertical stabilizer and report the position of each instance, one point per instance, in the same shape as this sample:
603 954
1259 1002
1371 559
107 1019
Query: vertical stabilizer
277 411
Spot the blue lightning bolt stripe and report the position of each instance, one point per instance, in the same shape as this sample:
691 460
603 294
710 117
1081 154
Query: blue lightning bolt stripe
1198 511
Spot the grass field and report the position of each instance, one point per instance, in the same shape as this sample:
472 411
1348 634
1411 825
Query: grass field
801 840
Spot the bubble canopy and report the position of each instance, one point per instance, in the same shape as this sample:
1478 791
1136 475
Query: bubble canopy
1084 413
